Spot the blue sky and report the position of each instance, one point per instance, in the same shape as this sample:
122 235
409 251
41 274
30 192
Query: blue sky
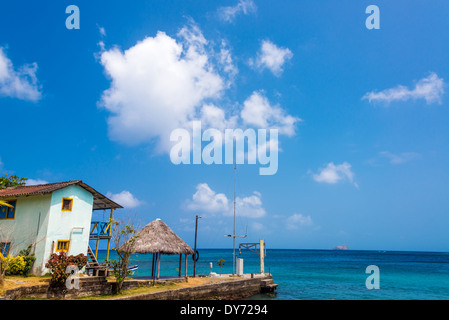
362 114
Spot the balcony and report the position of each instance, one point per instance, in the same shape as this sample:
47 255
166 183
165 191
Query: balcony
100 230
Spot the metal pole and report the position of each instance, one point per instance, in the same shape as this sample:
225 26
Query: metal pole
233 235
194 251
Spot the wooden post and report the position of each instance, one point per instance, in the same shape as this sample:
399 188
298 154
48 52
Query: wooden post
262 255
158 264
180 265
96 248
152 267
109 232
185 266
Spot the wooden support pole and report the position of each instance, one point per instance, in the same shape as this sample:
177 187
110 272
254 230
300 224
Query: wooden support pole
152 267
262 255
109 233
180 265
158 264
185 266
96 248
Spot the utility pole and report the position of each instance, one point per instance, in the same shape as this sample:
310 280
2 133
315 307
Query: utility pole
234 235
233 238
194 252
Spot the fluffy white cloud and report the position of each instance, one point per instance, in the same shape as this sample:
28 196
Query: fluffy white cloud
208 201
271 57
430 89
21 83
34 182
298 220
250 206
215 117
157 85
258 111
162 83
125 198
229 13
335 173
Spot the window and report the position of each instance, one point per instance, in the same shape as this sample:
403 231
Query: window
67 204
4 248
62 246
8 212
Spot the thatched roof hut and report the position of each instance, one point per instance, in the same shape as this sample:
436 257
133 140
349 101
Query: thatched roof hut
157 237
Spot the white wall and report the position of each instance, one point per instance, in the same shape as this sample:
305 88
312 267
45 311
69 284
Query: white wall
39 220
73 225
29 225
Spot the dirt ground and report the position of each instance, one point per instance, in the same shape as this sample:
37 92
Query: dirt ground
11 282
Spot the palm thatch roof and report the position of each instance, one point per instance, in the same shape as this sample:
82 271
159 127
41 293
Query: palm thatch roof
157 237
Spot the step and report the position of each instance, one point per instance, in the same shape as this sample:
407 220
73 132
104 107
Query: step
266 282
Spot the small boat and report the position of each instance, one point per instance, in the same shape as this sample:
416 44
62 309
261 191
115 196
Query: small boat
133 268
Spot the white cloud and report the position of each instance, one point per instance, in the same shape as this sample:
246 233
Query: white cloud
157 86
125 198
162 83
208 201
215 117
258 111
34 182
250 206
229 13
335 173
399 158
102 31
298 220
430 89
271 57
22 83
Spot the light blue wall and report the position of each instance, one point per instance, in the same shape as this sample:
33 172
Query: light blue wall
29 226
40 220
73 225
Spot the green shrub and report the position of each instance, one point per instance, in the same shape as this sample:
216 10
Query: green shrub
17 266
29 259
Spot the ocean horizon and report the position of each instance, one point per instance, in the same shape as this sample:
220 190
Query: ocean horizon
323 274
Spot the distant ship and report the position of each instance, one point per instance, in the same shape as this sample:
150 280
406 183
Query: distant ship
343 247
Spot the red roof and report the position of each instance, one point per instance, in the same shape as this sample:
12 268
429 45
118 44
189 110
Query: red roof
100 201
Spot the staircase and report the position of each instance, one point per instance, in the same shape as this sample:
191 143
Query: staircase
92 264
91 260
268 285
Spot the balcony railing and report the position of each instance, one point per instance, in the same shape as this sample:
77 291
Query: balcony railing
100 229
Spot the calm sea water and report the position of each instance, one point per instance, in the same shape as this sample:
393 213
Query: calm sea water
327 274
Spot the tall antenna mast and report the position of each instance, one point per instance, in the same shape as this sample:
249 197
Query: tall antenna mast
233 238
233 235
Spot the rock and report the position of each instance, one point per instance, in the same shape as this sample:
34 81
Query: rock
343 247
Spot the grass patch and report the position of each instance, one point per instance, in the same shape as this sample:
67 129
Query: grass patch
12 282
129 292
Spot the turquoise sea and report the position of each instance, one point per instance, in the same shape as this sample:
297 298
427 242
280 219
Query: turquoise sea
326 274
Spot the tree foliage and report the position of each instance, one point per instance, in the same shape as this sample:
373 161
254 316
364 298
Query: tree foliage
124 239
8 180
